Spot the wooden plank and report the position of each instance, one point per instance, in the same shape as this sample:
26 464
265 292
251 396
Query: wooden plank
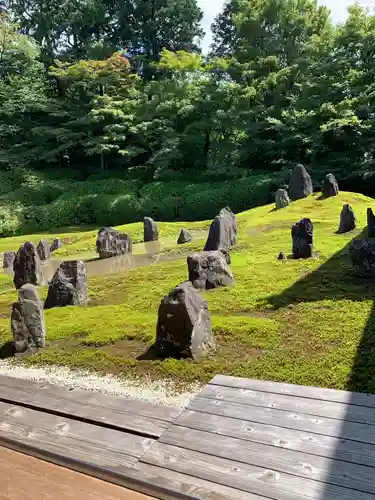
253 479
340 411
72 439
112 411
333 395
315 444
288 420
304 465
27 478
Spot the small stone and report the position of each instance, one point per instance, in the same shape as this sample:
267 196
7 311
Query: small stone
150 230
26 266
8 259
302 234
348 220
330 186
27 321
43 250
56 244
281 199
184 324
184 237
223 231
281 256
300 184
370 223
68 286
111 243
362 255
209 270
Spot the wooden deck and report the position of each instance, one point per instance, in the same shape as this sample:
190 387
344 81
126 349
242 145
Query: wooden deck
238 439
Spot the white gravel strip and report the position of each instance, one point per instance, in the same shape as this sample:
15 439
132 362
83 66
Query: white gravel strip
162 391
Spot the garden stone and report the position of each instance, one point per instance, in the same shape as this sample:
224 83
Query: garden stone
56 244
43 250
26 266
27 321
209 270
223 231
302 234
8 259
150 230
184 237
68 286
111 243
348 219
300 184
184 324
281 256
330 186
281 199
362 255
370 223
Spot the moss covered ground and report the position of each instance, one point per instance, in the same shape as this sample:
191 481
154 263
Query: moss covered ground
308 322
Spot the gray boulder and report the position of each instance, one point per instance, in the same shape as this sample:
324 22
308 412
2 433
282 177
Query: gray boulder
370 223
184 325
348 220
362 255
302 234
184 237
330 186
68 286
150 230
300 185
26 266
43 250
281 199
8 259
111 243
27 321
56 244
209 270
223 231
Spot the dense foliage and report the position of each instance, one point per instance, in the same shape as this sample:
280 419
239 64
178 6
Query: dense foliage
119 89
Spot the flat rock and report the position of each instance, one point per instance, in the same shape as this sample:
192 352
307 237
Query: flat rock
348 220
68 286
55 245
27 321
43 250
281 199
330 186
300 185
223 231
8 259
302 234
111 243
362 255
184 237
184 325
370 223
150 230
209 270
26 266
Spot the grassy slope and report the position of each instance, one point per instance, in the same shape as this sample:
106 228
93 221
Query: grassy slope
296 321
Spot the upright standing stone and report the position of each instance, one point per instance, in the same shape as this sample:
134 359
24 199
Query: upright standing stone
56 244
223 231
300 183
348 220
26 266
111 243
27 321
302 234
150 230
184 325
281 199
68 286
8 259
370 223
209 270
362 255
43 250
330 186
184 237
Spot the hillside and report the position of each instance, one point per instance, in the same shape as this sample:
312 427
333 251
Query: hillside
296 321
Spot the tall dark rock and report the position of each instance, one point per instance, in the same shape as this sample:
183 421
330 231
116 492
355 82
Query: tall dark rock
8 259
348 220
111 243
43 250
302 234
209 270
223 231
68 286
26 266
150 230
300 185
330 186
370 223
